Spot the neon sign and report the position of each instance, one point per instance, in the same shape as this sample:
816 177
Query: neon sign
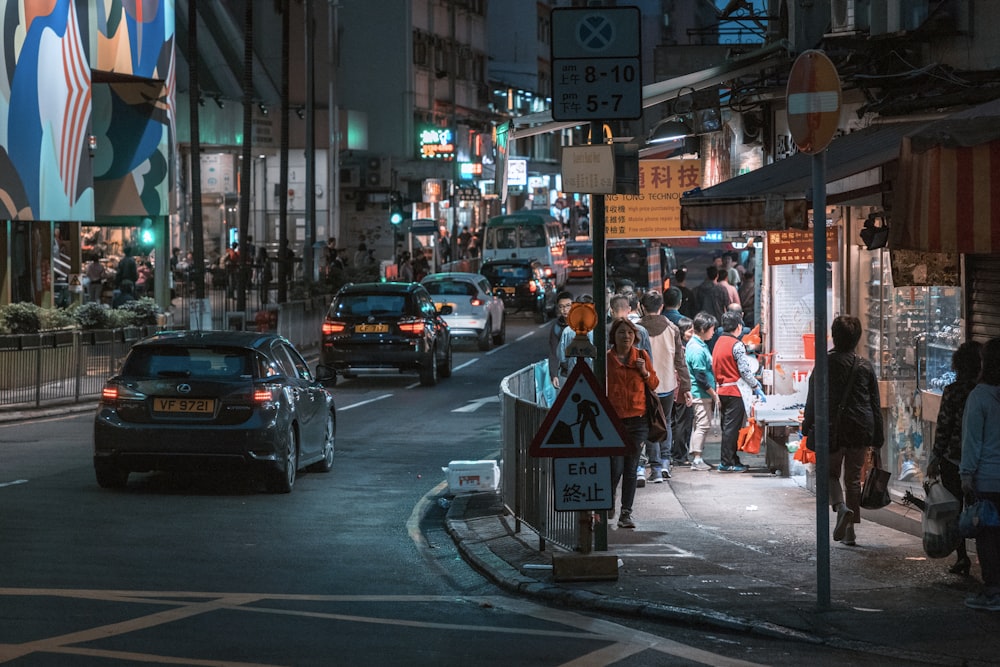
436 144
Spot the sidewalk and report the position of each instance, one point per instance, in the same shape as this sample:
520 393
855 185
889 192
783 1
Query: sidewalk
737 551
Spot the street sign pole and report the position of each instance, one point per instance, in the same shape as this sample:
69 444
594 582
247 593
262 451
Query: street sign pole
813 100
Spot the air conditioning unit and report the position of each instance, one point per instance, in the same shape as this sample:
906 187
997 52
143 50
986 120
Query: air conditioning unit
842 16
377 172
350 177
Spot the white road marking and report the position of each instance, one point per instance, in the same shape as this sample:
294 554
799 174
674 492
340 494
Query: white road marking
467 363
523 336
16 481
475 404
360 403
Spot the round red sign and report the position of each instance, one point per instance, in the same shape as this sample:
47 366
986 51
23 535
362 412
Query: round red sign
813 99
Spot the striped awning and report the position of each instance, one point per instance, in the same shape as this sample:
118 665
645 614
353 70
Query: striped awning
948 198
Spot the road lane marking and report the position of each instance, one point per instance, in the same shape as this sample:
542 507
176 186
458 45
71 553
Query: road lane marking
523 336
360 403
12 483
467 363
477 403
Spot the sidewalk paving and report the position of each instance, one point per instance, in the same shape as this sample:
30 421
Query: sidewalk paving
737 551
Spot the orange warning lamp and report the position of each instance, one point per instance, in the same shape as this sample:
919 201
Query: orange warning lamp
582 318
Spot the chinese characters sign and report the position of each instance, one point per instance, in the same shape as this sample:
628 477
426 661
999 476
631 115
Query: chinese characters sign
795 246
582 483
436 143
656 211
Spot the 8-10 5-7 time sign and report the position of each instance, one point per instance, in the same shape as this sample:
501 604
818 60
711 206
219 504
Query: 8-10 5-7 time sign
596 64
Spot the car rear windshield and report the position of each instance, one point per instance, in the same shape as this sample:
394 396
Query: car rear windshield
507 272
450 288
365 305
202 362
579 249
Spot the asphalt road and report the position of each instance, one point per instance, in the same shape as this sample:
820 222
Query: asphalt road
352 568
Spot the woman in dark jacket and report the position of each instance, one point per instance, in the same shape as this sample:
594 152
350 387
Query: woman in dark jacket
967 361
854 426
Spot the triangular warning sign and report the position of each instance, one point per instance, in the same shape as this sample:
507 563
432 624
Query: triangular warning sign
74 280
581 421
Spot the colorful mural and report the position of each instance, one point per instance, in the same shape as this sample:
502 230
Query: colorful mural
64 132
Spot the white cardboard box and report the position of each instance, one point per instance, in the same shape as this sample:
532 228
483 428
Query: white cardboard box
470 476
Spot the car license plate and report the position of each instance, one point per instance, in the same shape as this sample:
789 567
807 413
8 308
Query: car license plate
439 306
577 262
185 405
509 291
371 328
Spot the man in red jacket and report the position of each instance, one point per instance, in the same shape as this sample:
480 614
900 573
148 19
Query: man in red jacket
730 363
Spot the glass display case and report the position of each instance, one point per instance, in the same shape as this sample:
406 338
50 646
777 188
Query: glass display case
909 336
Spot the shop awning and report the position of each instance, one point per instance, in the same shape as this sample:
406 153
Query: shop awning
948 199
664 91
778 196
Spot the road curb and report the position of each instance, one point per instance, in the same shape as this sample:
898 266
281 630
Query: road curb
477 552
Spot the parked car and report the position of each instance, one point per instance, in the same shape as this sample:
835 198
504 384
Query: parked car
475 311
523 285
190 399
374 326
581 259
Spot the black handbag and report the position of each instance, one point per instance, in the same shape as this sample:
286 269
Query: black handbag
657 417
875 490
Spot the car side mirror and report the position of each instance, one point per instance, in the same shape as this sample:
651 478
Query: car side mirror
324 374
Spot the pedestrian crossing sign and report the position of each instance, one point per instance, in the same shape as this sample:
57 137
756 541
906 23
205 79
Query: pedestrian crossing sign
581 421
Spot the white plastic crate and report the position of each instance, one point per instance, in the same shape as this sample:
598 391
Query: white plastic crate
470 476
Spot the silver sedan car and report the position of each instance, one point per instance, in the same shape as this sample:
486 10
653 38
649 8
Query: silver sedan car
475 312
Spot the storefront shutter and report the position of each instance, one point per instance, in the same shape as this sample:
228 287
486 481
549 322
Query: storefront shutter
983 296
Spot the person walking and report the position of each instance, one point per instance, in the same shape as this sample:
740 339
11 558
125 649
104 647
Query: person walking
703 394
709 296
680 425
946 454
675 381
629 373
564 301
731 364
980 470
686 307
855 422
265 275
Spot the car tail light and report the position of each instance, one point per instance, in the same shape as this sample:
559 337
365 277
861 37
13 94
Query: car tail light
332 327
413 327
262 395
547 270
476 302
114 393
533 286
589 261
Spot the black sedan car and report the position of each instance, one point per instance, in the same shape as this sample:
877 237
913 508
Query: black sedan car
189 399
523 285
377 326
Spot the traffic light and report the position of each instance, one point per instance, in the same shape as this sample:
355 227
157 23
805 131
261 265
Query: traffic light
395 208
147 236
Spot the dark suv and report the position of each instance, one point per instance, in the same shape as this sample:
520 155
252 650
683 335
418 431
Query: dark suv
523 285
372 326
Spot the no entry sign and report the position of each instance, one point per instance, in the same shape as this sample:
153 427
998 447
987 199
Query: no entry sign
813 96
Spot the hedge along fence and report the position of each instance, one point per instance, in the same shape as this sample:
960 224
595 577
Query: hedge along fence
61 366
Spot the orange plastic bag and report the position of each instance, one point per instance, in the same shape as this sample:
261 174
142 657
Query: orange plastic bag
804 454
752 338
750 436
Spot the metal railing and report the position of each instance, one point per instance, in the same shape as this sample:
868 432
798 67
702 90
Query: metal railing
55 368
526 483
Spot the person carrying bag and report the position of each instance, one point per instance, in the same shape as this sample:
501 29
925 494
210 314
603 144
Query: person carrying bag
855 418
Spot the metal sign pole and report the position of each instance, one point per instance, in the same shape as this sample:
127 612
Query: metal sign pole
820 391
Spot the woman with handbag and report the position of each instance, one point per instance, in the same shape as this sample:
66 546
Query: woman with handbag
980 470
947 452
855 423
630 372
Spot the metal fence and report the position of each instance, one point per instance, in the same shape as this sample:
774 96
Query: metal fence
526 483
62 367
